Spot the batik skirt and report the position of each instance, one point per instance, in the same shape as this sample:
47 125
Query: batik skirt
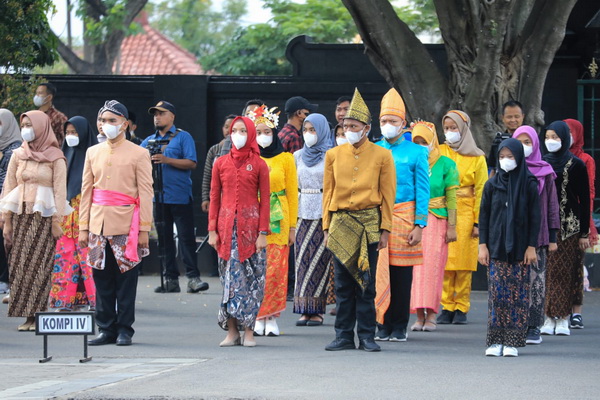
312 268
508 303
276 281
30 264
243 286
564 278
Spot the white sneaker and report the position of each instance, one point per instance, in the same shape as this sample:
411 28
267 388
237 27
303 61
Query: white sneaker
549 326
562 327
494 350
3 287
259 327
271 328
509 351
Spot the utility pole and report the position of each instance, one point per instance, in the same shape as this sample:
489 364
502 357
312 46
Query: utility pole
69 36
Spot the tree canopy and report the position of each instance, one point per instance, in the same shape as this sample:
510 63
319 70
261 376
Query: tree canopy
25 35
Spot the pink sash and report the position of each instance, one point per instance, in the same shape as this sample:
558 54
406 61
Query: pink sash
112 198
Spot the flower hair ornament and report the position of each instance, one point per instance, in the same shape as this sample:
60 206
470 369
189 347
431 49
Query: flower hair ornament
264 115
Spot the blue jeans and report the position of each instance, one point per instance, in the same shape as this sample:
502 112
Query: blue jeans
183 217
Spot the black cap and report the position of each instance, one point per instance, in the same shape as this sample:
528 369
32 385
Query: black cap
162 106
298 103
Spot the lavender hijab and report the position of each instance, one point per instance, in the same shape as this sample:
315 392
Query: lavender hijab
536 165
313 155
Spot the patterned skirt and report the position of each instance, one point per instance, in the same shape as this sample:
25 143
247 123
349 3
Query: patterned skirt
537 285
243 286
276 281
312 268
331 285
403 222
428 278
564 278
72 278
30 264
508 303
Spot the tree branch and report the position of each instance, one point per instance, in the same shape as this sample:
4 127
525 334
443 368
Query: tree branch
74 62
400 57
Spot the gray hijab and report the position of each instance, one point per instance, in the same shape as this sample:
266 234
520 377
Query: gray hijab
10 129
313 155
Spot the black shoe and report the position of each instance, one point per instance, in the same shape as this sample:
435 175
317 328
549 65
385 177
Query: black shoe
445 317
399 335
576 322
171 286
123 340
460 318
340 344
368 345
383 334
101 339
196 285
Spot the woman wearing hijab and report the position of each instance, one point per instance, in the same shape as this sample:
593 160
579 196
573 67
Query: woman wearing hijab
33 205
509 223
549 225
312 257
576 149
283 217
238 225
461 148
428 277
72 278
564 271
10 140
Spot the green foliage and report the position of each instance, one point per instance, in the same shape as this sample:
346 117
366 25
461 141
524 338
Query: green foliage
25 36
16 92
194 25
420 16
99 26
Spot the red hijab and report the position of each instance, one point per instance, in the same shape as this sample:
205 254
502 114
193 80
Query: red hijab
44 148
577 147
251 147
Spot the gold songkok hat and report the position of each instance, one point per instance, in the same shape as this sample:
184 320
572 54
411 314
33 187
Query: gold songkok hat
392 104
358 109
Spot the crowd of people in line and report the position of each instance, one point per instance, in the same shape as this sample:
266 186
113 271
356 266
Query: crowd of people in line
313 211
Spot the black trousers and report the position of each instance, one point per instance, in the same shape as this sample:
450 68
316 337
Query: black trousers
398 313
355 307
115 297
182 215
3 260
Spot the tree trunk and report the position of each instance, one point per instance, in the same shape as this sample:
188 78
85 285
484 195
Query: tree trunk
103 55
497 51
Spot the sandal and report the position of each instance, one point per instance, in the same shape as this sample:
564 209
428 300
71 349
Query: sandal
429 326
417 326
313 322
303 322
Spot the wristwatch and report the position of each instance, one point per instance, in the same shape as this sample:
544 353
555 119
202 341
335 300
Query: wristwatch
420 226
263 233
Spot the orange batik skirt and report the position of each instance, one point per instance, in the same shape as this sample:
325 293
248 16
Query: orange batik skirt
276 281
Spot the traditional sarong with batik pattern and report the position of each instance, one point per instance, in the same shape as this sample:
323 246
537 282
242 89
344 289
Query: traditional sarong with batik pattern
350 234
397 254
403 223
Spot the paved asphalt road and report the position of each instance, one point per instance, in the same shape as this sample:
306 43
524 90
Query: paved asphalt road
176 356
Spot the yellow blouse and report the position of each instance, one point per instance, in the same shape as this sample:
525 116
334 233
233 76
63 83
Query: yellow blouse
283 178
359 179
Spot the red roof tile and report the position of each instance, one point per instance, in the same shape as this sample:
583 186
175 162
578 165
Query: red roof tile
151 53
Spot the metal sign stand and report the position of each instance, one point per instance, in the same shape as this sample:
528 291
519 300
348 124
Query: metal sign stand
50 323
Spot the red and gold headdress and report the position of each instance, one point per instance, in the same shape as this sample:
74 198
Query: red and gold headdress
264 115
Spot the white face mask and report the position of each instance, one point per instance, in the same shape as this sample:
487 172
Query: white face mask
507 164
39 100
572 141
111 131
553 145
263 141
426 146
27 134
528 150
354 137
238 140
452 137
72 140
101 138
340 140
310 139
390 131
